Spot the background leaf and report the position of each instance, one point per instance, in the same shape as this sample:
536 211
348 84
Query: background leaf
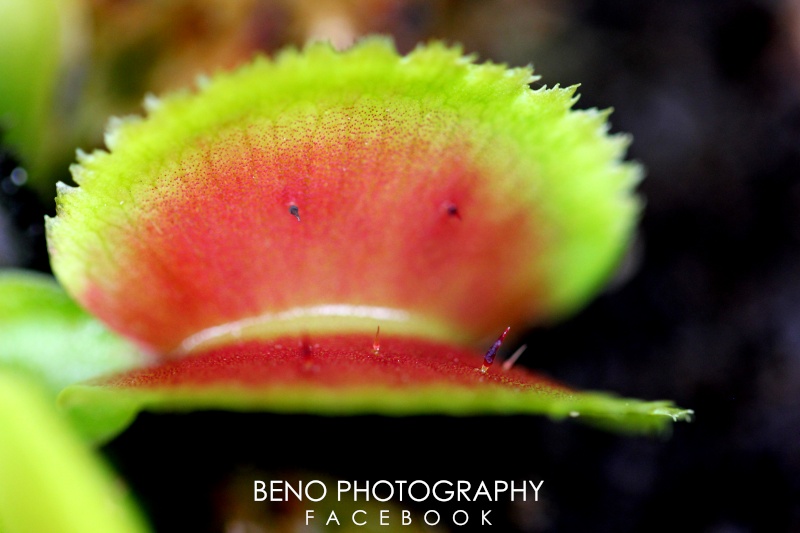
44 334
49 480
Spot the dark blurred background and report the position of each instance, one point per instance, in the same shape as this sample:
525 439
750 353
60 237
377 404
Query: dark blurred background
706 310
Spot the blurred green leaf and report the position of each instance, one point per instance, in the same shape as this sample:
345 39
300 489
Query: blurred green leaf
49 481
29 37
44 334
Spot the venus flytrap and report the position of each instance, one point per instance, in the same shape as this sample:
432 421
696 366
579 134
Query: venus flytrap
252 237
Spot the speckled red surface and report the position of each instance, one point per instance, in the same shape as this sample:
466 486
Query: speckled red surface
213 241
332 361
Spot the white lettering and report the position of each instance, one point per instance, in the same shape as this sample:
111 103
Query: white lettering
482 491
321 484
523 491
275 487
344 486
425 517
498 490
427 491
462 490
356 490
391 491
401 483
298 494
259 488
535 489
448 493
